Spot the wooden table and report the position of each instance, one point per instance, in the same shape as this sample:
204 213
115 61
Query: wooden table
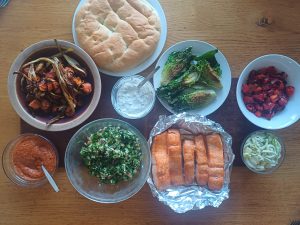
228 24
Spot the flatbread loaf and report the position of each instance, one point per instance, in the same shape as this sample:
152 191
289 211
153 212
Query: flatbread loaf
117 34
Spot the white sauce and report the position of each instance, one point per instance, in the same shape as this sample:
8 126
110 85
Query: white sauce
132 101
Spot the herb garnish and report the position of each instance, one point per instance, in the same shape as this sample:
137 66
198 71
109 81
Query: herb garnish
112 154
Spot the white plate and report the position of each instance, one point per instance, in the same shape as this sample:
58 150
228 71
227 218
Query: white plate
199 48
149 61
291 112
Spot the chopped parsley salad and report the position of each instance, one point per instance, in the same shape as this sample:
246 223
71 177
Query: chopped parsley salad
112 154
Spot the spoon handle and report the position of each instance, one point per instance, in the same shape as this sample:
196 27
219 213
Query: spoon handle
50 179
148 77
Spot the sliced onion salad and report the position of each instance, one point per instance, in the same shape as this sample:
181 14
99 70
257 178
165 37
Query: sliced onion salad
262 151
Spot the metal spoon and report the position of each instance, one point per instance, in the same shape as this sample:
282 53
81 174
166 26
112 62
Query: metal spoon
148 77
3 3
50 179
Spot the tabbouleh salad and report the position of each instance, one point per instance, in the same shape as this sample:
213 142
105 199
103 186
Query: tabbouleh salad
112 154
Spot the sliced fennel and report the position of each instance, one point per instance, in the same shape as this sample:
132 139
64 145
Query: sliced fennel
262 151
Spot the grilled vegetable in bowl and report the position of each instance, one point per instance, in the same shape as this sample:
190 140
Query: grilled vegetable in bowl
194 97
195 77
56 85
195 83
177 61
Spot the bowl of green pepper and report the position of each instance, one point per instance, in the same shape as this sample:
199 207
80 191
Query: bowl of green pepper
108 160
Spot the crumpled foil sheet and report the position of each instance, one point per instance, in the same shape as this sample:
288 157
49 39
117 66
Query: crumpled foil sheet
184 198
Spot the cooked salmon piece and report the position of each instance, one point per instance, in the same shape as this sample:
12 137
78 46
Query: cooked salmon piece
173 137
215 162
159 144
201 161
202 174
215 172
189 161
160 172
215 183
175 157
215 151
160 162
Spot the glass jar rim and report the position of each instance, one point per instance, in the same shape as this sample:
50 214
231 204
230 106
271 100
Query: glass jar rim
9 170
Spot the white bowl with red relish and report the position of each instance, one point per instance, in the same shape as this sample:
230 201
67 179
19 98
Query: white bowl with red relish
268 91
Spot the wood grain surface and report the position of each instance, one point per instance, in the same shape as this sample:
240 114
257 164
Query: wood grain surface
228 24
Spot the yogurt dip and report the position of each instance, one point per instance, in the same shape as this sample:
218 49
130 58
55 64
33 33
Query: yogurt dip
131 102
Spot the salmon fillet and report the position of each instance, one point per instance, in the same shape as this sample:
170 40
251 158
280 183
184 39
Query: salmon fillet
160 162
173 137
175 157
215 162
216 172
201 161
215 183
189 161
215 151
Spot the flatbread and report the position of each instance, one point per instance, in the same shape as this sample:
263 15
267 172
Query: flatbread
117 34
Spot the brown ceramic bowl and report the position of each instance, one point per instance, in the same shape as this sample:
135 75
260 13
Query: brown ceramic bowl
48 48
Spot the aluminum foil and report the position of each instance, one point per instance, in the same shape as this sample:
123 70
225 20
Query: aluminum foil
184 198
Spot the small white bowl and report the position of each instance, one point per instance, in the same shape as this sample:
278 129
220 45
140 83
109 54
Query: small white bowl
291 112
120 109
17 99
280 160
198 48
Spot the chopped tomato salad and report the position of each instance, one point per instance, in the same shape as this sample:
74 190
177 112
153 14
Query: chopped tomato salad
266 92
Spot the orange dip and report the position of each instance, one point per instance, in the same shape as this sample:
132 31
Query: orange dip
29 154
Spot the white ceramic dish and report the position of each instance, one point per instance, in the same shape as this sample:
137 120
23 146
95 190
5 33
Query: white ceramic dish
148 62
40 122
125 113
199 48
291 113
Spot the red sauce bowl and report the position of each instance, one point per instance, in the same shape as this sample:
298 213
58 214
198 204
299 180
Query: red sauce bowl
23 156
